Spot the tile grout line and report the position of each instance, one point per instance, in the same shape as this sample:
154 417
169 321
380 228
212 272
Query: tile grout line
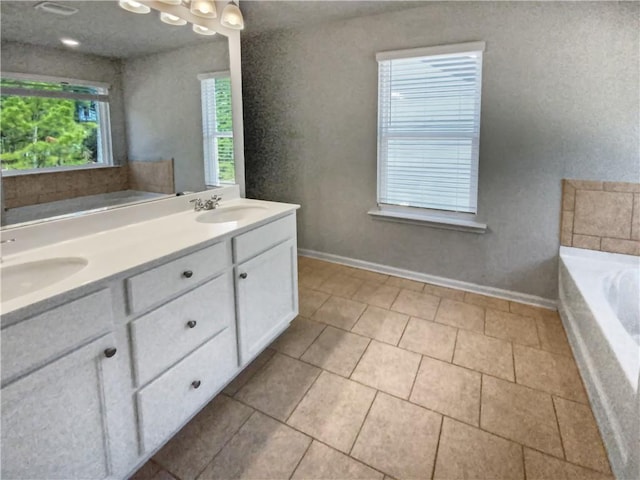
312 341
293 472
406 325
304 395
513 363
415 378
364 420
524 463
359 359
227 442
453 354
435 457
480 406
321 304
255 374
555 414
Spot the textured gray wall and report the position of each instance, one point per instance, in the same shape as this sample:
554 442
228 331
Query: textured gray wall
560 99
164 113
23 58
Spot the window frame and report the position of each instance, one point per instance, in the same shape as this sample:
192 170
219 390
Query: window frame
212 166
104 117
441 218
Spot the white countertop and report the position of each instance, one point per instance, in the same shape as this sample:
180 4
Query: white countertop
119 249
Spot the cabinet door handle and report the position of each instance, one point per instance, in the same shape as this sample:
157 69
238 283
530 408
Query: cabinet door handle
110 352
243 275
187 274
195 384
191 323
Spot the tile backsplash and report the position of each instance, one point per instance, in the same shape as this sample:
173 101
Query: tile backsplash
601 216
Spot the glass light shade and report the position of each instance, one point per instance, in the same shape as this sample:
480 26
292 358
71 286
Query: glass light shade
232 17
203 8
171 2
200 30
133 6
172 19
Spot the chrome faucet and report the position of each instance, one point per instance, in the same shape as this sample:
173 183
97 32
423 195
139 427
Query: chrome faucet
211 204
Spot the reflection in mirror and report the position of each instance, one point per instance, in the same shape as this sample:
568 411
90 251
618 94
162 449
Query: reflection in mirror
103 108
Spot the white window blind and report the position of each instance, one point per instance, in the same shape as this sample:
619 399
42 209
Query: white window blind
429 127
217 130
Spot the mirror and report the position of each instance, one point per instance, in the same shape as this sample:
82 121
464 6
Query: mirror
104 108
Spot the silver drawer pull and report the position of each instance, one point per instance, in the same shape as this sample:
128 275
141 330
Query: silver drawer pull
243 275
195 384
191 324
110 352
187 274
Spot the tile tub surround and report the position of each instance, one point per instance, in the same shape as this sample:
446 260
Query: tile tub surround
472 399
152 176
601 216
36 188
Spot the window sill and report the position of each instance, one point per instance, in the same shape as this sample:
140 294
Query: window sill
429 220
33 171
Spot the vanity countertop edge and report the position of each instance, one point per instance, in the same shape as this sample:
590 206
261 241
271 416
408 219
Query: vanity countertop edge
119 252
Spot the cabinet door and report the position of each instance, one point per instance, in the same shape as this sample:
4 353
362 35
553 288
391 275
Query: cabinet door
54 420
267 297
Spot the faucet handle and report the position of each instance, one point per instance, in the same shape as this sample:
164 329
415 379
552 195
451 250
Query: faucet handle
198 204
215 200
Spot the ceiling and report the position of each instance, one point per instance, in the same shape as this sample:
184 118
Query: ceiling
104 29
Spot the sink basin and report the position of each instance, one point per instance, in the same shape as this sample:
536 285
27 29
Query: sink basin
24 278
230 214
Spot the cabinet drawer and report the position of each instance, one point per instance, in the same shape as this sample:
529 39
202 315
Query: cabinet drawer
166 403
262 238
157 284
31 343
167 334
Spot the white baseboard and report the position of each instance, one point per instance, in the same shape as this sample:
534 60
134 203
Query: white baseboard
433 279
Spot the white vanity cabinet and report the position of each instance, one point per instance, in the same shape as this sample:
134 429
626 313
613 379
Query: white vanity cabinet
91 388
55 421
266 284
267 298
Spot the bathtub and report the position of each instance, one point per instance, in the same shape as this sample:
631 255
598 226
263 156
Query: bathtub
71 206
600 308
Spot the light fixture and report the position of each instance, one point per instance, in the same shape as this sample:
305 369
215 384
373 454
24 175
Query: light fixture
172 19
56 8
203 8
200 30
133 6
70 42
232 17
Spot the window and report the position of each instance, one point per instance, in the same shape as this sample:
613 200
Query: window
428 129
53 122
217 128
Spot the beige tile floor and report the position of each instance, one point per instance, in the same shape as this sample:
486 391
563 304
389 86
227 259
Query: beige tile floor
382 377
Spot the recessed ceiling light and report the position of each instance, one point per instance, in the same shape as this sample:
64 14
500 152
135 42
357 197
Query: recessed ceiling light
70 42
